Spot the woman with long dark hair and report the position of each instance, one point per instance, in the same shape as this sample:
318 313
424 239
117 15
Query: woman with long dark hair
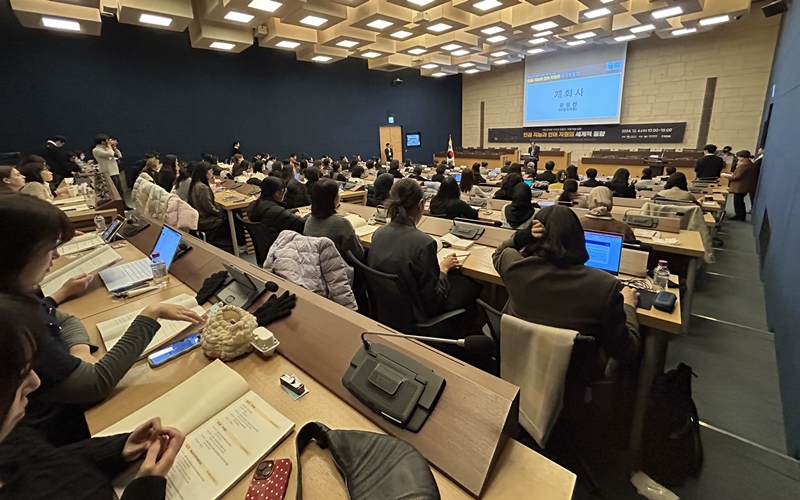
183 180
323 220
168 172
571 196
676 188
380 189
212 218
37 180
619 184
468 186
506 190
312 175
448 202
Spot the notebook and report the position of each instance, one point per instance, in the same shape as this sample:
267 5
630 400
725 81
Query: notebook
113 330
457 243
90 263
360 225
461 255
228 428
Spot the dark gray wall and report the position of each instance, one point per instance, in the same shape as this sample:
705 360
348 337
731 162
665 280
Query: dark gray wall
152 91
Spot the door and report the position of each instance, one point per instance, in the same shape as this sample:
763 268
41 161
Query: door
393 135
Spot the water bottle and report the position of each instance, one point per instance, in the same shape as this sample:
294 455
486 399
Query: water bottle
661 276
159 270
99 224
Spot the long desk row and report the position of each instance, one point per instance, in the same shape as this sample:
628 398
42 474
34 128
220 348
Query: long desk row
465 439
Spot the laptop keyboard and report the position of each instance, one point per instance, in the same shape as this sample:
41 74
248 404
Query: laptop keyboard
138 270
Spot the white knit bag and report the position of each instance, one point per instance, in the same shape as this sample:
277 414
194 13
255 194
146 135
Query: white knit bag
228 333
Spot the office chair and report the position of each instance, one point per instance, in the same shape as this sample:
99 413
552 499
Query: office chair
359 286
259 236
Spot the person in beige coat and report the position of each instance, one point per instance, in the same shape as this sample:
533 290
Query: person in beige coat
599 218
37 180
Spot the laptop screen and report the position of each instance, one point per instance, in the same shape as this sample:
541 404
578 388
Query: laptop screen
457 177
167 244
297 176
605 250
528 181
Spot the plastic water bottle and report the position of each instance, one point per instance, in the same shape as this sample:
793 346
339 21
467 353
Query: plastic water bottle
99 224
661 276
159 269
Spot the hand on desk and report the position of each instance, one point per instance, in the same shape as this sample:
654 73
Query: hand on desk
449 262
630 296
72 288
172 312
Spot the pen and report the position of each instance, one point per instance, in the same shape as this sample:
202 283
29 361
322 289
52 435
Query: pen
138 291
140 284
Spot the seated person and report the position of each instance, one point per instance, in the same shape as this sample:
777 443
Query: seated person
336 172
71 377
561 176
380 190
312 175
505 168
468 186
417 175
515 168
647 181
271 212
550 254
401 249
530 169
572 173
571 195
548 175
677 189
506 190
619 184
11 181
37 180
476 172
184 180
167 172
448 202
357 175
212 218
591 178
323 220
667 172
520 211
394 169
599 217
296 194
439 175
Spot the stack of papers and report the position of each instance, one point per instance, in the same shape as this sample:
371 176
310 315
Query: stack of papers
91 263
81 243
456 242
644 233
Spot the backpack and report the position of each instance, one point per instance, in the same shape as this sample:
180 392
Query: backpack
671 447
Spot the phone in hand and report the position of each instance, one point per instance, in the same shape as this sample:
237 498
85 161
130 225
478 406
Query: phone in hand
172 351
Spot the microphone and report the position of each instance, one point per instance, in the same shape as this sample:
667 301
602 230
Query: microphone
271 286
476 344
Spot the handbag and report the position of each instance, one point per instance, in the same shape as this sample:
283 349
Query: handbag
374 466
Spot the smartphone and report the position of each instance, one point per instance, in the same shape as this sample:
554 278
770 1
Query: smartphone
270 479
172 351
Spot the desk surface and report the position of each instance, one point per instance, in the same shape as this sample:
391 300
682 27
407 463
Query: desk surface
518 469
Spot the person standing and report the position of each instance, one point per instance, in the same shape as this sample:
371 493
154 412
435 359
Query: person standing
741 183
58 160
533 151
710 165
107 155
388 153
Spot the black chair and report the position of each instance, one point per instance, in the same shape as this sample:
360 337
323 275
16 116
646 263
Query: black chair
392 304
259 236
359 287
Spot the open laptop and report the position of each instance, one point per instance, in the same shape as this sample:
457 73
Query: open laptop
457 177
139 271
605 250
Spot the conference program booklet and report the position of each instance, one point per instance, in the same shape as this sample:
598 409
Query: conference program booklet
360 225
228 428
81 243
90 263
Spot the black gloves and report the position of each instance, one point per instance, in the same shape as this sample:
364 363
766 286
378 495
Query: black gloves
275 308
210 286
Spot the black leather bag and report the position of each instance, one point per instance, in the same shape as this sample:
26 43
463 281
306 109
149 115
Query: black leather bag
374 466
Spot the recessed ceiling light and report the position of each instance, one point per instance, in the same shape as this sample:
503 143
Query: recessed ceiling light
502 61
493 30
544 33
286 44
222 45
487 4
313 21
420 2
535 51
668 12
266 5
715 20
588 34
416 52
466 65
370 55
239 17
606 1
499 54
459 53
576 42
429 66
380 24
347 43
156 20
439 27
684 31
644 27
497 39
61 24
545 26
401 34
472 71
537 41
321 58
592 14
451 47
439 74
624 38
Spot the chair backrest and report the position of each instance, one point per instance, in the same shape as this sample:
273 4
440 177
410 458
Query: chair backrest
359 286
389 301
260 239
494 320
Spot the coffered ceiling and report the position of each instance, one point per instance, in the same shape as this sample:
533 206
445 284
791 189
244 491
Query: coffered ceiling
439 37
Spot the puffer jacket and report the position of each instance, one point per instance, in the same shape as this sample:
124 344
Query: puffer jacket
274 217
139 195
180 214
692 218
314 264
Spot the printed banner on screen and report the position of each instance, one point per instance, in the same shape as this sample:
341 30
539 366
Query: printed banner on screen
645 132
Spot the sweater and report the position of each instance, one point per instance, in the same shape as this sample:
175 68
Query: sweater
675 193
33 469
107 159
608 225
339 231
37 189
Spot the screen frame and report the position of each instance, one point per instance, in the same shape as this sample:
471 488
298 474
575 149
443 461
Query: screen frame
418 134
616 236
164 229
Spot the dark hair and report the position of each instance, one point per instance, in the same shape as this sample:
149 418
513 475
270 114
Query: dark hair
403 201
387 143
563 242
418 170
75 153
370 164
33 172
326 162
5 172
572 172
678 180
170 161
199 175
508 184
711 148
185 173
744 154
561 176
448 192
441 169
259 165
353 164
317 164
33 227
303 165
621 177
21 332
312 174
270 186
101 138
485 164
394 165
467 180
671 170
570 189
515 168
323 197
30 159
550 165
647 173
357 171
336 166
591 173
286 173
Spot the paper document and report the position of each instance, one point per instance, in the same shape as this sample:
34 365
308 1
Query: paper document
461 255
70 201
88 264
644 233
80 243
360 225
74 208
456 242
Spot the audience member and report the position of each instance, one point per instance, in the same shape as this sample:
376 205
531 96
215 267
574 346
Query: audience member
506 190
476 172
168 172
520 211
468 187
323 220
561 176
312 175
37 180
709 166
599 217
439 175
572 173
619 184
591 178
57 158
742 182
448 203
11 181
271 212
336 172
677 189
515 168
571 197
548 175
417 175
394 169
380 190
646 181
184 180
296 194
212 218
107 155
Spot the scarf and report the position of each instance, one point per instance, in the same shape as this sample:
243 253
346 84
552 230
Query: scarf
601 201
521 209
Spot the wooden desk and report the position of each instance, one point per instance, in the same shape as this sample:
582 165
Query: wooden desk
607 166
495 158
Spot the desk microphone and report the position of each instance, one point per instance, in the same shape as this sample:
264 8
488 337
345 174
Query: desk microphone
271 286
476 344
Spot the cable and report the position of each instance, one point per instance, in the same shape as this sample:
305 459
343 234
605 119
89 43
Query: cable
638 283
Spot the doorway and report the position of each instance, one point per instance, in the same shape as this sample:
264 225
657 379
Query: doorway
393 135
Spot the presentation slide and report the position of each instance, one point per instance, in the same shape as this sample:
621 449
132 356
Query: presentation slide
583 87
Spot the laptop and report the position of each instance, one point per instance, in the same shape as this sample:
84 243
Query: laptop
139 271
457 177
605 250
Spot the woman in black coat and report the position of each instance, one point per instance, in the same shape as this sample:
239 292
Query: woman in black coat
619 184
271 212
380 190
448 202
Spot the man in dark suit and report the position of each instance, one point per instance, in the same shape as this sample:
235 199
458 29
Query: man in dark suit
388 153
57 158
533 151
